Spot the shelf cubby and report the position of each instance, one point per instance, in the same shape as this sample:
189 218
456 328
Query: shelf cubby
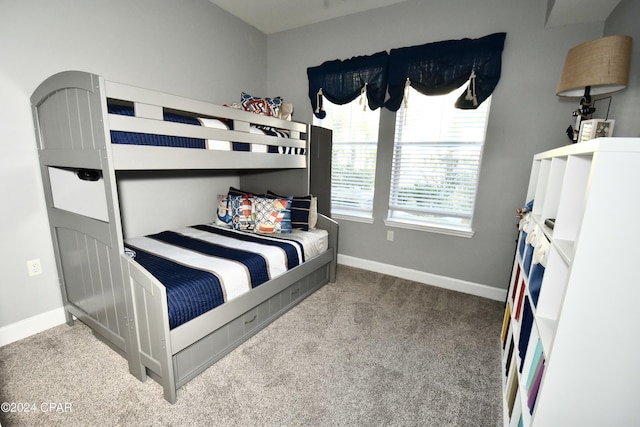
572 203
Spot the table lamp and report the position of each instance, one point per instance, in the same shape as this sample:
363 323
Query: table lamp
595 67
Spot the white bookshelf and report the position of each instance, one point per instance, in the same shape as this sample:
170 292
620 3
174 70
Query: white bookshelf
571 335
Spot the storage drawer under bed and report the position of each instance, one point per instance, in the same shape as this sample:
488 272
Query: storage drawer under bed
194 359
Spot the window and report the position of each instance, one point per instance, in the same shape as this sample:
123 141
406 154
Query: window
355 142
436 162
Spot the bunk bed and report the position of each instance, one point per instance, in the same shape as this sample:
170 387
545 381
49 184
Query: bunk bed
89 132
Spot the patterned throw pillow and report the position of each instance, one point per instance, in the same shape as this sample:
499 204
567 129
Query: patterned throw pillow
264 106
242 215
223 214
300 210
272 215
238 192
313 213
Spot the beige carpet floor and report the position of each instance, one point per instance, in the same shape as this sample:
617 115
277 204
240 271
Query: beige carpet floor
368 350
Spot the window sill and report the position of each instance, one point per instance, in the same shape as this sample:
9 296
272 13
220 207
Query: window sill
343 217
451 231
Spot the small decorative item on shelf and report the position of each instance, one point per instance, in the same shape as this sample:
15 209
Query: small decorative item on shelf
521 212
596 128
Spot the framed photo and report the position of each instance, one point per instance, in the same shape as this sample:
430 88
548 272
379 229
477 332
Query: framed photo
595 128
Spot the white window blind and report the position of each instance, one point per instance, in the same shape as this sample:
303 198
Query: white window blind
436 161
353 168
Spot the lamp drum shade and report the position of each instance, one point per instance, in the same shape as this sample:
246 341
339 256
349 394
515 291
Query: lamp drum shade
602 64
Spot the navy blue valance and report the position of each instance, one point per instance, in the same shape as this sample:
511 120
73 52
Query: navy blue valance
432 69
439 68
343 81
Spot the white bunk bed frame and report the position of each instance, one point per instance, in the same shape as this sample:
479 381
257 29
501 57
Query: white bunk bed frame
120 301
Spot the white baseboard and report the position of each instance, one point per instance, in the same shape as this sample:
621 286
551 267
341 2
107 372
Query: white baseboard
421 277
31 326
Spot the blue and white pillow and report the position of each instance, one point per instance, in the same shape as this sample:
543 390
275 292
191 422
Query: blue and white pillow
264 106
223 213
272 215
242 215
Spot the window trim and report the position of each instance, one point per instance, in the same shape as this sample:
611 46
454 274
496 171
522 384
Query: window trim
450 230
353 218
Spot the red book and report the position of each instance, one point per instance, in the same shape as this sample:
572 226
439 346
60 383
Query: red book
515 283
520 297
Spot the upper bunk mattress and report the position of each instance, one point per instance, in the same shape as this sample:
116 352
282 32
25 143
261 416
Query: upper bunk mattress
204 266
135 138
120 137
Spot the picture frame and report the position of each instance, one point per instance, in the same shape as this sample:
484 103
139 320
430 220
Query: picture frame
595 128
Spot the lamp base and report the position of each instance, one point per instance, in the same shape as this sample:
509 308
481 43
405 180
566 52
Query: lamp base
583 113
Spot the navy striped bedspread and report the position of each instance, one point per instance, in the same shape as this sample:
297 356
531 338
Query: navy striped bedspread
205 266
135 138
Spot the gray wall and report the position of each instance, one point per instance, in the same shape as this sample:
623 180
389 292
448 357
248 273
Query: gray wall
188 47
526 117
625 105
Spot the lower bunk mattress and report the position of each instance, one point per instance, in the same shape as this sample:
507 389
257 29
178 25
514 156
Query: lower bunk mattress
204 266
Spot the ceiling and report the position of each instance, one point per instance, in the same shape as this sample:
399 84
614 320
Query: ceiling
273 16
567 12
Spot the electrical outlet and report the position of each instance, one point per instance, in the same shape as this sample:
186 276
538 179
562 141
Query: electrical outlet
390 235
34 267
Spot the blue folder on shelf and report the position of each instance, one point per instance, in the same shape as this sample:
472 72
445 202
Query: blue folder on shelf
525 331
535 282
528 257
523 243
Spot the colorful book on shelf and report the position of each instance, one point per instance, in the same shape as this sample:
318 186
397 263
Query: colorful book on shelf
506 323
535 282
514 285
509 356
533 393
528 362
523 243
512 391
525 330
521 292
528 258
536 364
